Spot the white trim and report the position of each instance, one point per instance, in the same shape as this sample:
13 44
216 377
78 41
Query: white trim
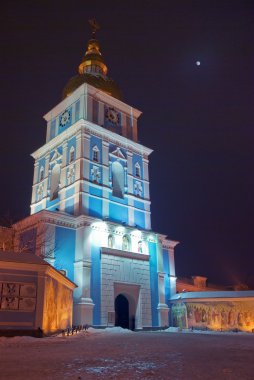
126 254
90 128
218 295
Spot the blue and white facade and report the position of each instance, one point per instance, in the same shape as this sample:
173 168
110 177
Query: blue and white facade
90 211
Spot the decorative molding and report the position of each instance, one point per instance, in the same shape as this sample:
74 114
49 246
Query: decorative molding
118 153
56 157
126 254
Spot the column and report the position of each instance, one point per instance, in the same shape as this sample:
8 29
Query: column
162 306
83 307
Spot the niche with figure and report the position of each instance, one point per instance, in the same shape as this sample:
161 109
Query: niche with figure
110 241
126 243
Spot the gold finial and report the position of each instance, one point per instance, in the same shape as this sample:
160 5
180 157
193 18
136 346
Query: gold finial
94 26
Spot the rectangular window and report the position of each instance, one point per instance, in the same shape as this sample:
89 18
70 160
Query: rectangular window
95 111
52 129
77 110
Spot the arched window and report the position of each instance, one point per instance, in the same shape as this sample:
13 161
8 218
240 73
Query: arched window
72 154
55 179
95 154
118 179
110 241
41 173
137 170
126 244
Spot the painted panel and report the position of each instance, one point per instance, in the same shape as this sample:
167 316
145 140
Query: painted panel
69 206
129 127
70 192
95 191
77 110
118 213
52 204
122 201
96 284
139 204
154 283
139 219
95 115
95 207
52 129
65 250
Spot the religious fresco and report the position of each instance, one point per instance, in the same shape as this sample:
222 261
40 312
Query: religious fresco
179 318
227 315
58 306
17 296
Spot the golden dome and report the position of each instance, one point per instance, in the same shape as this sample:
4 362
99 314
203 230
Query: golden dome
92 70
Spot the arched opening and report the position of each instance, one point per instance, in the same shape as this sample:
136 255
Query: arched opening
122 311
118 179
55 179
126 243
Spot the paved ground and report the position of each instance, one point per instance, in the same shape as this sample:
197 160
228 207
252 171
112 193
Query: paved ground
129 356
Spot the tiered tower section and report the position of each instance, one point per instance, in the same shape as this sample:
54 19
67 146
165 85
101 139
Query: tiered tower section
92 163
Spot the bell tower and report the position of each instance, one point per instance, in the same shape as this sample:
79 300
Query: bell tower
91 163
90 209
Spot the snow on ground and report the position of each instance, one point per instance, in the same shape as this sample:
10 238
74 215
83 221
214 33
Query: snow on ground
210 332
115 353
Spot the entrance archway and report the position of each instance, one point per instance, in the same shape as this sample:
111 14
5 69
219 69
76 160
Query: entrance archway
122 311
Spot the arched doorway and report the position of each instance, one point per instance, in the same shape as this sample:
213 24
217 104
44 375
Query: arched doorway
122 311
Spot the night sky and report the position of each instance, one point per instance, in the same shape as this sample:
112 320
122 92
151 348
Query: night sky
198 119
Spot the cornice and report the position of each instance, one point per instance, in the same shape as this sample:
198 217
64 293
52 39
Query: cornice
87 127
88 90
125 254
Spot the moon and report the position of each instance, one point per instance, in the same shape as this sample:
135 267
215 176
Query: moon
198 63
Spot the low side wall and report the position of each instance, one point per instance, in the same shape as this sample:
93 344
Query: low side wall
57 307
213 313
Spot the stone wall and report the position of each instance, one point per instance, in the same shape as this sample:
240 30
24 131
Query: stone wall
122 273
